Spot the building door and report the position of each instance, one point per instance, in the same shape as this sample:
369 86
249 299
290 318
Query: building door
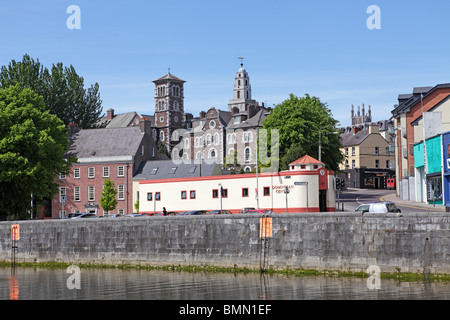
322 200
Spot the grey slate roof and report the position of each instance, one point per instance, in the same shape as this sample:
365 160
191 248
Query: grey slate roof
350 139
169 76
106 142
167 169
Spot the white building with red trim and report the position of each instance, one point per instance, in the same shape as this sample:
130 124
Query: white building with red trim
311 188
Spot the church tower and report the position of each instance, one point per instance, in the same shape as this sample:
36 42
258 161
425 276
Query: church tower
169 107
242 96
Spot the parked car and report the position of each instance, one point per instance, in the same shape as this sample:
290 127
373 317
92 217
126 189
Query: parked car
136 215
244 210
169 213
74 214
220 212
194 213
85 215
378 207
259 211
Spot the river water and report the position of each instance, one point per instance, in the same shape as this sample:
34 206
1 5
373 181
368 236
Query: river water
115 284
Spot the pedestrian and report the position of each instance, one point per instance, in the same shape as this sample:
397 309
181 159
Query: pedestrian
164 211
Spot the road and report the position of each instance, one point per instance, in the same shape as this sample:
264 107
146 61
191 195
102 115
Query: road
352 198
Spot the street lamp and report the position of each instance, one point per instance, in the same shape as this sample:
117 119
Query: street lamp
221 191
320 141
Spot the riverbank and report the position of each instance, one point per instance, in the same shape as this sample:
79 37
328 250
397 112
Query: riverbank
314 243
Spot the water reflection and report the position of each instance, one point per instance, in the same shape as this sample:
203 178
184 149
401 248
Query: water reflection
106 284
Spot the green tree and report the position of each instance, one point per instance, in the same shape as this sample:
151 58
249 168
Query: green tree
108 200
32 145
300 121
61 87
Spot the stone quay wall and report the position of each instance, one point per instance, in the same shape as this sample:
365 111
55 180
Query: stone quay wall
321 241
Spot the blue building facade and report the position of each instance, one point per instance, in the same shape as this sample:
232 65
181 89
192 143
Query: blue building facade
446 167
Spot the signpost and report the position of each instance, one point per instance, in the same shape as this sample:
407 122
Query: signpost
298 183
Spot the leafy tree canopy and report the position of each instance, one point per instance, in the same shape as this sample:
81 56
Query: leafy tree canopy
32 145
61 87
300 121
108 200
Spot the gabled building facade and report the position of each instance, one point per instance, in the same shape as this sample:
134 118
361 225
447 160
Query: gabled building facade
113 153
418 117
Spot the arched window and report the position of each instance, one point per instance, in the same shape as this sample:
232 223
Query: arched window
198 155
212 154
238 94
208 139
248 154
216 139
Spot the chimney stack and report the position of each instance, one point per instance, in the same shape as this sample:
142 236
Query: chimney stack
110 114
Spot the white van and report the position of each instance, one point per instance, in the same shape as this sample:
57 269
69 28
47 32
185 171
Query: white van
378 207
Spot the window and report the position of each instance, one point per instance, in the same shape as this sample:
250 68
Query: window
353 151
154 171
346 152
212 124
215 193
245 192
192 169
302 166
183 195
76 194
120 171
212 154
62 176
387 164
91 193
315 166
224 193
149 196
388 153
62 194
173 170
105 172
377 151
91 172
121 192
157 196
377 163
208 139
266 191
216 139
192 194
76 173
353 164
248 154
121 211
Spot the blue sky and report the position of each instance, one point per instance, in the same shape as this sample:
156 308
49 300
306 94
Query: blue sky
322 48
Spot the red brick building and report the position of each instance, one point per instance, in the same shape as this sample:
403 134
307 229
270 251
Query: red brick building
103 153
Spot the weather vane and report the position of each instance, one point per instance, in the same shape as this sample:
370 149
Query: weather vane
242 60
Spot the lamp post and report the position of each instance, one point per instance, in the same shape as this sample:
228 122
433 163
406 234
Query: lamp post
320 141
221 191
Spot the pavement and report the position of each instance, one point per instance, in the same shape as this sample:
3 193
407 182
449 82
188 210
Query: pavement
417 205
